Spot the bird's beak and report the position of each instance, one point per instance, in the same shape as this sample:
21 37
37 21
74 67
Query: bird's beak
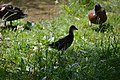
24 15
76 29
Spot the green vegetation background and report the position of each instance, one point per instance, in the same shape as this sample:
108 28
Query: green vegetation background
94 55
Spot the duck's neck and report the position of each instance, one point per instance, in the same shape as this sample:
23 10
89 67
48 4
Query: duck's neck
71 33
98 11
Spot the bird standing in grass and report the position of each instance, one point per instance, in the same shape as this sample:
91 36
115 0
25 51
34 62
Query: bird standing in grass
9 13
97 15
64 43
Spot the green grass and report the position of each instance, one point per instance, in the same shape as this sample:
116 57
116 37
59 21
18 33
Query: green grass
94 55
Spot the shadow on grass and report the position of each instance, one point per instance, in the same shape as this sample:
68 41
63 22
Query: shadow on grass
104 27
26 26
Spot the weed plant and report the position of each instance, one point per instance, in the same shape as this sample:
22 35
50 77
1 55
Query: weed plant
94 54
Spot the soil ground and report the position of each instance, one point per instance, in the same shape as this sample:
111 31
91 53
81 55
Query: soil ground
36 9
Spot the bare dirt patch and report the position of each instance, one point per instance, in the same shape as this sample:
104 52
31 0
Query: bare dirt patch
36 9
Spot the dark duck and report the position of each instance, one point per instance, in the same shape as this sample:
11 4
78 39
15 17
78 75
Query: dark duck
9 12
97 15
64 43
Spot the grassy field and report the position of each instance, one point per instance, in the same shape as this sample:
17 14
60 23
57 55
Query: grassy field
94 54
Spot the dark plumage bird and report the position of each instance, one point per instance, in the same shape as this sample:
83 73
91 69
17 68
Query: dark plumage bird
97 15
9 13
64 43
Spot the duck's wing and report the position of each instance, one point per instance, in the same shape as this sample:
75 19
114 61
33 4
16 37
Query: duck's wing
60 44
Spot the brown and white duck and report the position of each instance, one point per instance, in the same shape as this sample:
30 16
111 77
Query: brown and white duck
9 12
97 15
64 43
